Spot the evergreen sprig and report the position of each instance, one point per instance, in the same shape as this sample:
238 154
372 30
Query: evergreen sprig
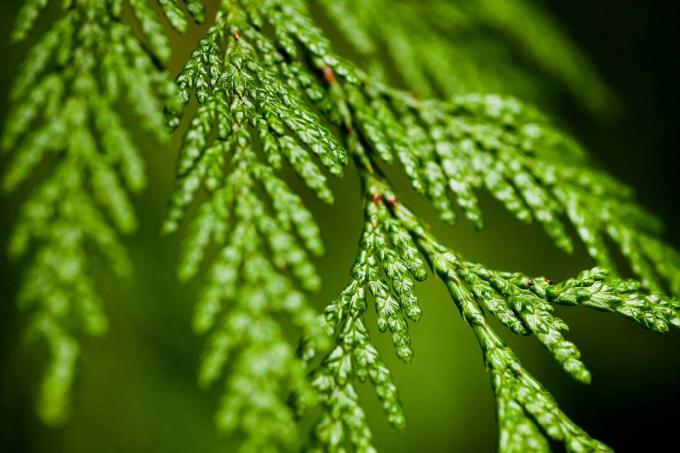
66 115
392 244
442 48
261 228
452 149
268 81
268 89
385 269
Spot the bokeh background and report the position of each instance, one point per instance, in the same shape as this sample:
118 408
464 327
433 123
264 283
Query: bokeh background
136 387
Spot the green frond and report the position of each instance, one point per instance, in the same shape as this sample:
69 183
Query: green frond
247 292
196 10
385 269
453 149
524 406
173 12
65 115
528 415
26 18
441 48
270 88
247 122
265 88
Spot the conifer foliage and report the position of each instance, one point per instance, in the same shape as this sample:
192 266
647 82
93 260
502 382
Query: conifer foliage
440 47
265 89
66 116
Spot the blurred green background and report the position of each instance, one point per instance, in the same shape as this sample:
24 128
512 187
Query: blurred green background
136 387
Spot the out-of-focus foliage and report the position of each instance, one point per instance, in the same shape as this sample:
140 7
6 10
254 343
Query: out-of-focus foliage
441 48
65 128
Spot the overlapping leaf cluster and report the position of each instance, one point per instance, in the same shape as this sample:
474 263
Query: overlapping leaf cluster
266 87
247 123
527 413
268 83
385 270
66 127
452 149
441 47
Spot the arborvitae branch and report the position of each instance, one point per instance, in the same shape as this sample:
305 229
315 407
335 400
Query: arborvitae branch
384 270
393 237
65 112
269 89
255 220
442 47
451 149
259 76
